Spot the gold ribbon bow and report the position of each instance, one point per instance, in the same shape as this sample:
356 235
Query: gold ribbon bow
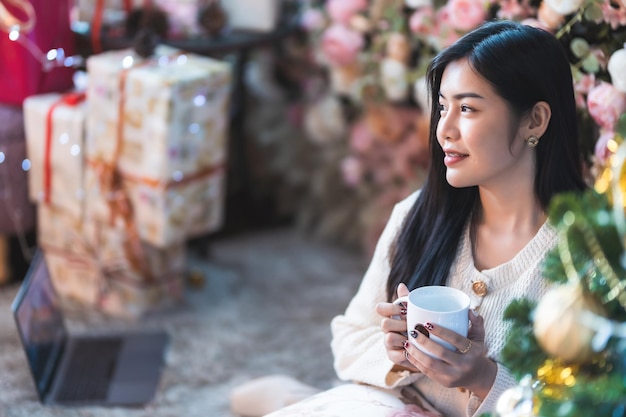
9 21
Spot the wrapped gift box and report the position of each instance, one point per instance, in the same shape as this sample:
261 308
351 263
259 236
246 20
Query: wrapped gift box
160 125
74 277
164 213
70 256
163 118
122 298
90 263
81 280
55 136
64 232
108 245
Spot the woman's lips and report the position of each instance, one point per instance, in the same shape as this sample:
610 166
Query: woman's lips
452 158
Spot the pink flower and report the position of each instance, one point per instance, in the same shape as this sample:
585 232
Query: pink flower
602 151
606 104
352 171
361 139
582 88
466 14
614 14
341 11
341 45
586 83
515 10
422 21
444 34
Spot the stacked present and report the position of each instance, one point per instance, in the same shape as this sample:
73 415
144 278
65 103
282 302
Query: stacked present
124 174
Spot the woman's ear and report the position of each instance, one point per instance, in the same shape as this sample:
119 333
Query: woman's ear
538 119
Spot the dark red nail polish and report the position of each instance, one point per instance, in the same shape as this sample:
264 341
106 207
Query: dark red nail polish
406 344
403 311
429 326
420 328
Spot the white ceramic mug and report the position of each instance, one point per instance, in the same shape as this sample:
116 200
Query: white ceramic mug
442 306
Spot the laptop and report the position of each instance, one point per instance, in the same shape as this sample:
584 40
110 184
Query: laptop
121 369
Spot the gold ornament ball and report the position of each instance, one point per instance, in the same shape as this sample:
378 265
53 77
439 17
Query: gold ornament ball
557 323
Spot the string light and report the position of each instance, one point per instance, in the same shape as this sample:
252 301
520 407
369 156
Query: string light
54 58
128 62
199 100
14 34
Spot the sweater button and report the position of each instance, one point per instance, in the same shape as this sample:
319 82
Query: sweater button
479 288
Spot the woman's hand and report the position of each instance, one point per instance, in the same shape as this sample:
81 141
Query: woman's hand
466 367
394 326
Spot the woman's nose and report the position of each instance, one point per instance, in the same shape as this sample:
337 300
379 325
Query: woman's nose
447 128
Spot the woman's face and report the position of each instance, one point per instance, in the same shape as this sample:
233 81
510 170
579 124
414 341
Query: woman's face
479 133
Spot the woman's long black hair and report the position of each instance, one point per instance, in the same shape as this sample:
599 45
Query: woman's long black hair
524 65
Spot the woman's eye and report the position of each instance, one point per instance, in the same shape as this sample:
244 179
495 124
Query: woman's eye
465 108
442 107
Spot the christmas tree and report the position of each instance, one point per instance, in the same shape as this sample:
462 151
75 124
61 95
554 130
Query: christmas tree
568 350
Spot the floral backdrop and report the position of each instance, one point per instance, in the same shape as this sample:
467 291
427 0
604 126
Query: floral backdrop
365 109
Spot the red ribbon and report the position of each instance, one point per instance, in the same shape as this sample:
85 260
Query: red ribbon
70 100
96 27
111 181
101 167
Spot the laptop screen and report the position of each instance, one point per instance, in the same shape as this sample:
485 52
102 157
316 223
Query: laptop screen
40 323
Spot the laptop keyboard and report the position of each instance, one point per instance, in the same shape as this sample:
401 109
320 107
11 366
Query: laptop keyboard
89 370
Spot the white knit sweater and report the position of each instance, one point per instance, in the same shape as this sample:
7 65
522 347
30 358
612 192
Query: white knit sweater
357 342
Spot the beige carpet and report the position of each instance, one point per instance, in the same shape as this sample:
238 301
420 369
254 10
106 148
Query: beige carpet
265 308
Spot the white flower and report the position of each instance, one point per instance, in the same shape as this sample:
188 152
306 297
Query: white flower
324 121
420 93
564 7
393 77
617 69
414 4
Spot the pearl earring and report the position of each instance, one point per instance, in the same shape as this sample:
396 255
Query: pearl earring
532 141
